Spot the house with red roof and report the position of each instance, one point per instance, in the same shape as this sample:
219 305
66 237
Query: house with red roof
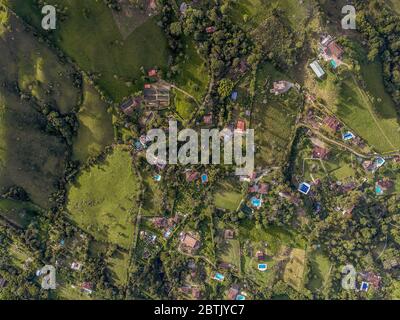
152 73
241 126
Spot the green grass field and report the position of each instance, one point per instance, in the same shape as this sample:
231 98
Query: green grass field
273 118
340 165
153 205
395 5
102 201
271 240
250 13
118 264
29 157
228 196
230 252
184 105
357 111
369 112
319 272
36 69
20 213
192 78
95 125
19 255
90 36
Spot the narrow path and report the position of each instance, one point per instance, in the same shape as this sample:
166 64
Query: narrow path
185 93
335 142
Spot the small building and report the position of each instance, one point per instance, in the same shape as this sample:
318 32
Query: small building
332 123
191 175
87 287
232 293
234 95
189 243
129 105
76 266
243 66
316 67
334 51
211 29
260 255
372 278
368 165
281 87
225 266
183 8
241 126
207 119
320 153
185 289
152 73
229 234
3 283
196 293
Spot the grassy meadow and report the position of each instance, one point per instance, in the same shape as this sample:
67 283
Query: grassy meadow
273 118
95 125
89 34
102 201
228 196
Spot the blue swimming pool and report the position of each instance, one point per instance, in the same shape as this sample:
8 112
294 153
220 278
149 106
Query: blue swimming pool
219 277
262 266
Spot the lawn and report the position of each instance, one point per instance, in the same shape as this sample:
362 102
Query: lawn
37 70
153 196
89 35
184 105
338 165
193 75
118 264
271 240
192 78
19 255
66 292
369 112
356 110
274 236
294 270
395 4
18 212
228 196
319 270
95 125
230 252
29 157
250 13
102 201
273 118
